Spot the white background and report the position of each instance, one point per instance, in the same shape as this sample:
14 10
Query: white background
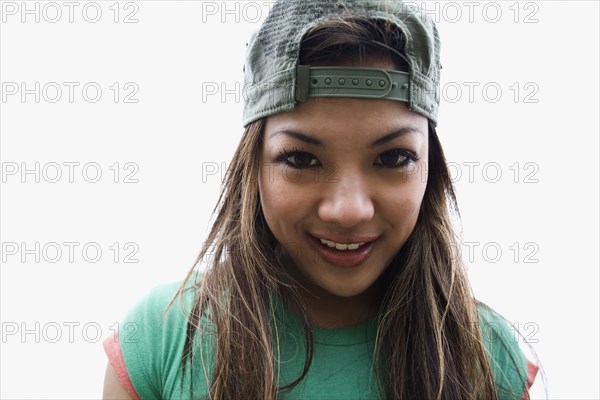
177 133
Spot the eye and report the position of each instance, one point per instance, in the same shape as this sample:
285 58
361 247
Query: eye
396 158
298 159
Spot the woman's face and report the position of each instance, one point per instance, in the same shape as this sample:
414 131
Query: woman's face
341 182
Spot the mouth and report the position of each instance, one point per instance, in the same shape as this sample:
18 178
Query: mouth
341 246
346 252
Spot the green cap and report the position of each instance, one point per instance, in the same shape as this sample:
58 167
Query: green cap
274 82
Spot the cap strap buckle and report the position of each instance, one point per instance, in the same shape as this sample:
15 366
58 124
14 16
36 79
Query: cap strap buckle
371 83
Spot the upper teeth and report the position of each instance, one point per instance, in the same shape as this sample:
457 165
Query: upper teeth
341 246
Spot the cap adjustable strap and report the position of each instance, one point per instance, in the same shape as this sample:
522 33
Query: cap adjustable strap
372 83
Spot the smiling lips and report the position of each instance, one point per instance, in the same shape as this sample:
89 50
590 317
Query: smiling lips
344 251
341 246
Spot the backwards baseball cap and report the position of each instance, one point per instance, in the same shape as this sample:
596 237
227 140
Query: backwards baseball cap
274 82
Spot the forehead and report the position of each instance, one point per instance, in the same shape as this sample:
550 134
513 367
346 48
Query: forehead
346 118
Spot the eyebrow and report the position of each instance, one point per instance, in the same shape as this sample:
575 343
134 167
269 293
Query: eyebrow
300 136
383 140
397 133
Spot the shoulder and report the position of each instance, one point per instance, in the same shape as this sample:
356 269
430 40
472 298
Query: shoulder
511 368
151 308
152 338
151 316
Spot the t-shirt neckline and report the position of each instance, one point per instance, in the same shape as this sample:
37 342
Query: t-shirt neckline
347 336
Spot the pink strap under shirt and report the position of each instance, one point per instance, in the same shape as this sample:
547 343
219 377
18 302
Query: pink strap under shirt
115 357
532 370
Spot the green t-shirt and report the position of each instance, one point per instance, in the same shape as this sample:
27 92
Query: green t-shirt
341 368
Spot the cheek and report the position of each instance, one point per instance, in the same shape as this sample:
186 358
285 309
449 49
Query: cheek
283 204
403 211
402 206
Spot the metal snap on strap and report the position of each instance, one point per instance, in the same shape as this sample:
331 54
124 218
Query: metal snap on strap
372 83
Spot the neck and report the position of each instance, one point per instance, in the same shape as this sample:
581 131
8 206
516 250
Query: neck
327 310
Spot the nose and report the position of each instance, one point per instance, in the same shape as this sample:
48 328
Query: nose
346 200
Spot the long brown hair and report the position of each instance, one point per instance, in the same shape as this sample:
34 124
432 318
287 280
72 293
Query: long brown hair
428 343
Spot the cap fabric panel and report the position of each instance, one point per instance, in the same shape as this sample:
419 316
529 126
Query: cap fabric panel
273 52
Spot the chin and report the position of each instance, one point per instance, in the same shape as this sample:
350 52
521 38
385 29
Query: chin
344 291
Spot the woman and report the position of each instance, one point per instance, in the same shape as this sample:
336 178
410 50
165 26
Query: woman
332 264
